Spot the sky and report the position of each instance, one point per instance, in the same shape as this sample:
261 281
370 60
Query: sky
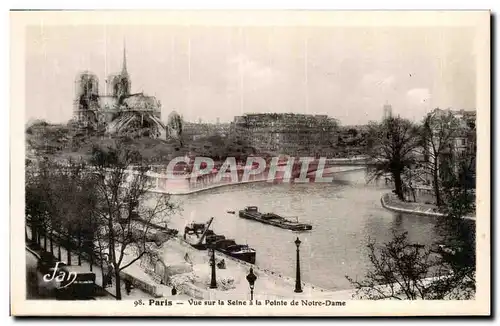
210 72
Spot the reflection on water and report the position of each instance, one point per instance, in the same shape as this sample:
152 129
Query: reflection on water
345 214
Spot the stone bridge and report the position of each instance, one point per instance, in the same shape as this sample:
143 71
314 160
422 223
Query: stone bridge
195 182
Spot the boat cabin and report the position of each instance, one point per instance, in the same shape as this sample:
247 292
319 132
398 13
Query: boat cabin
239 247
271 216
213 238
225 243
194 228
254 209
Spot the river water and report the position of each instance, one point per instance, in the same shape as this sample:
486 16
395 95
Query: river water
344 214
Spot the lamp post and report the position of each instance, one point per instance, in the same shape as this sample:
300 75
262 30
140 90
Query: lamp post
251 278
298 284
213 282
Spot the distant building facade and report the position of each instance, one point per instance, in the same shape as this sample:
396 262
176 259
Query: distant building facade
118 110
194 131
288 133
465 140
462 143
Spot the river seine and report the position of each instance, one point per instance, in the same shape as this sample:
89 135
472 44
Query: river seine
344 214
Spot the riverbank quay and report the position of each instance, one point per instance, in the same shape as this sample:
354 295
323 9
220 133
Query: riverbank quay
195 281
392 202
269 286
150 281
187 191
144 284
186 187
231 280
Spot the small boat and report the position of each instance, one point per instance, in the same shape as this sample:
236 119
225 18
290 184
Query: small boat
201 237
231 248
443 249
231 212
252 213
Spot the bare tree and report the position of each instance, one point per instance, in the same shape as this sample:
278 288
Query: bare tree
126 209
71 188
59 199
391 145
403 270
445 270
410 177
38 200
458 235
399 270
440 129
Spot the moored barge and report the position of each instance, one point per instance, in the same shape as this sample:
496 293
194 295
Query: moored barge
201 237
252 213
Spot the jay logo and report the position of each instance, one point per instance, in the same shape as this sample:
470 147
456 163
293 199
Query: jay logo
60 275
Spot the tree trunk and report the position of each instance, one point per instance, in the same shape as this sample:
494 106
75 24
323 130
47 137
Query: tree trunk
435 177
398 184
117 285
101 259
59 252
68 251
45 239
91 258
112 257
26 239
79 250
51 241
34 234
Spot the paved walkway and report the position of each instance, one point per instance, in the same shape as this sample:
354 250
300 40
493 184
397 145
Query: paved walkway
231 281
269 285
134 270
392 202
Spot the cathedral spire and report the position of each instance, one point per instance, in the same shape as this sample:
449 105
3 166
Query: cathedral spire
124 66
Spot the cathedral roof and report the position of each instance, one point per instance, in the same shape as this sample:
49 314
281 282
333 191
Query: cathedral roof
141 102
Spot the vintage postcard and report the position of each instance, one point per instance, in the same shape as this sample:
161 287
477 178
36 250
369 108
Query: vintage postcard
250 163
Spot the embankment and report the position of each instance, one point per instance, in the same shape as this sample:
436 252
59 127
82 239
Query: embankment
391 202
187 188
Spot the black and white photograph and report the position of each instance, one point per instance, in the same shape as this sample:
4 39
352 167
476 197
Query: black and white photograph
265 163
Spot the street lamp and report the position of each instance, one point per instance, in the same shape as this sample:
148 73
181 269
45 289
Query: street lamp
298 285
213 282
251 278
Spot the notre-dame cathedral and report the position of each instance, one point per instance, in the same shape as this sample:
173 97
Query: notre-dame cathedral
118 110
